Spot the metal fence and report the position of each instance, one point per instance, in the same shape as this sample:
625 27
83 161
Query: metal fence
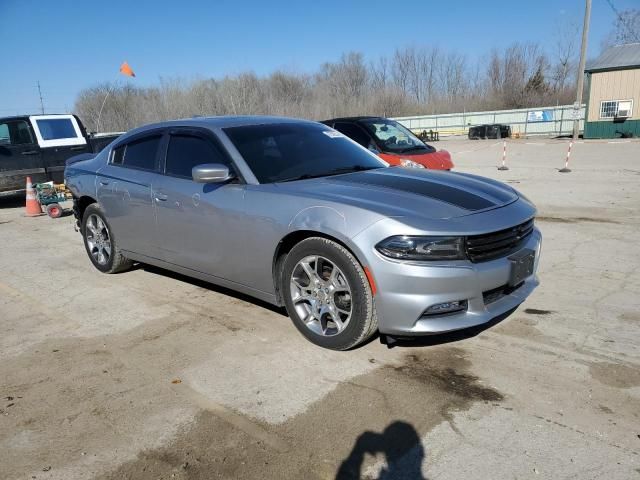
523 122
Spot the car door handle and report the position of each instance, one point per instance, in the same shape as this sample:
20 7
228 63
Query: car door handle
104 183
31 152
80 147
161 197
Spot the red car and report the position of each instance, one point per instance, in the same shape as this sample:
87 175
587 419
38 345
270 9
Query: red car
393 142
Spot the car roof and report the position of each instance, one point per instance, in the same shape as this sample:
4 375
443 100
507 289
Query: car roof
220 122
353 119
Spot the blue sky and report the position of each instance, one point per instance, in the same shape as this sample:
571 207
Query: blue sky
70 45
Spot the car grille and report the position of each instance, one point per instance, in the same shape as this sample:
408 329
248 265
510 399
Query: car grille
481 248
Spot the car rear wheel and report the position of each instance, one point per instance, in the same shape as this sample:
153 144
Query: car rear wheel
327 294
100 244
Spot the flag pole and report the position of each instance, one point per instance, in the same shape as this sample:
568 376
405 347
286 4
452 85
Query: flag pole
102 107
125 69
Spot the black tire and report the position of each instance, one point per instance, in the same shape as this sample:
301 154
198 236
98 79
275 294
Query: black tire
363 322
54 210
116 262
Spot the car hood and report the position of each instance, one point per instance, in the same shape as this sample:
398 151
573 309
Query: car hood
400 192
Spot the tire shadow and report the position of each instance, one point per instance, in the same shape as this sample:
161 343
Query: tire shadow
210 286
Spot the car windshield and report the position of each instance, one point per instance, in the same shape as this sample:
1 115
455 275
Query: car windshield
296 151
393 137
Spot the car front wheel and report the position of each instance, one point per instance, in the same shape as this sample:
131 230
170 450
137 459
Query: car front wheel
327 294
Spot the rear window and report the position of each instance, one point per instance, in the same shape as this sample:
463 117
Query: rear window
141 154
56 128
285 151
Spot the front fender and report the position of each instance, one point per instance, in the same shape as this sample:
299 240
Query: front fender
329 221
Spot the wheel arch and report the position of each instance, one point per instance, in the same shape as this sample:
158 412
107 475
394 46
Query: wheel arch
81 204
292 239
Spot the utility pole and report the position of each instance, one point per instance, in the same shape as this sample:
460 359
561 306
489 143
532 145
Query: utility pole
583 59
41 102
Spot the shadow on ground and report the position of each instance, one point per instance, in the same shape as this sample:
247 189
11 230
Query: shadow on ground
210 286
13 200
391 342
401 447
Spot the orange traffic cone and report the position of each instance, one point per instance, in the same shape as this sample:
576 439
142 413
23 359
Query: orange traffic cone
33 208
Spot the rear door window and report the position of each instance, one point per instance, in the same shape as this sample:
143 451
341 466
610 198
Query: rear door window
187 151
56 128
141 154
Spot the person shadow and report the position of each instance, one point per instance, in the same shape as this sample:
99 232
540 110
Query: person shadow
399 442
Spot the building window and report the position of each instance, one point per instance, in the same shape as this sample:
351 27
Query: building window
616 109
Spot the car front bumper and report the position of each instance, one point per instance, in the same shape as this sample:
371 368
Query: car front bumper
405 291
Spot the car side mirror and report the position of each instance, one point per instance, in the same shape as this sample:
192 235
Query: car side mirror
211 173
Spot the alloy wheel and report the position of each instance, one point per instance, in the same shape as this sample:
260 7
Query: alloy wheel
321 295
98 239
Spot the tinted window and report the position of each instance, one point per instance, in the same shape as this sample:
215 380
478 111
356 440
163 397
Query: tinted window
393 137
15 133
185 152
118 155
56 128
286 151
140 154
354 132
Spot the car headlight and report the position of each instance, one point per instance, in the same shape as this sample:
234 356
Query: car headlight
405 162
403 247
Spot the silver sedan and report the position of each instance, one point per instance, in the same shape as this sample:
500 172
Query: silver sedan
296 214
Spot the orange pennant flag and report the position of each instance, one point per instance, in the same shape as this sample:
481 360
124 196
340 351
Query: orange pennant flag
125 69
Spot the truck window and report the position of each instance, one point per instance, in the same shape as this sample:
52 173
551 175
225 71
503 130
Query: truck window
56 128
15 133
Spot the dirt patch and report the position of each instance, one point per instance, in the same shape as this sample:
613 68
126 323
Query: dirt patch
605 409
447 379
631 317
549 219
382 413
615 375
520 327
537 311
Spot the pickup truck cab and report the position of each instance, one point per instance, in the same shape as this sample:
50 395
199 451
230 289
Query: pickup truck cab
39 146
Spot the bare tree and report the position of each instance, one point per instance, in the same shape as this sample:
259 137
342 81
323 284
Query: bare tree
414 80
565 61
625 28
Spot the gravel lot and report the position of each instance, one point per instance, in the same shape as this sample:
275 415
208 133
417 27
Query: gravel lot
151 375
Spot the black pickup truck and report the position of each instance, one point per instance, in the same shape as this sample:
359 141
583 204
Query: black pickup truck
39 145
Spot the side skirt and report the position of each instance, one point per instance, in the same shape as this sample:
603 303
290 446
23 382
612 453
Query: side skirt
238 287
